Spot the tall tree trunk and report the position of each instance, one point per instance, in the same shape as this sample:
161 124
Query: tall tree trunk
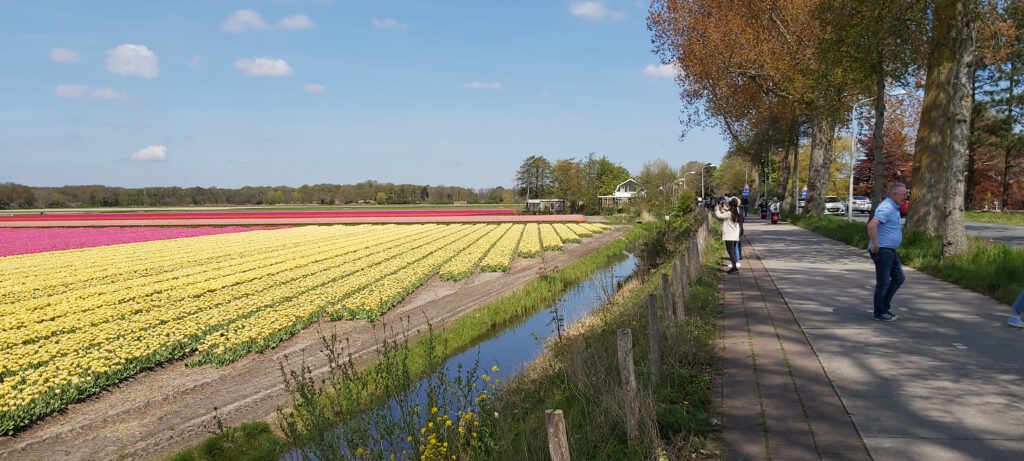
878 141
822 134
971 148
791 200
780 188
943 135
1011 99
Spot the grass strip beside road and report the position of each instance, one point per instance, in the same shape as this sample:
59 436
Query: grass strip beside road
1008 218
992 269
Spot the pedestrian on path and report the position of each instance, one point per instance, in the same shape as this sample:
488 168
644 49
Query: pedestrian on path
731 221
1018 311
885 233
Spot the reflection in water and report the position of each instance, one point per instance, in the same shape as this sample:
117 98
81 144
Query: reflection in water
511 350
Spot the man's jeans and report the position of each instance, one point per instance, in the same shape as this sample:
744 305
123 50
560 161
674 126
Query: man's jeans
888 278
1018 306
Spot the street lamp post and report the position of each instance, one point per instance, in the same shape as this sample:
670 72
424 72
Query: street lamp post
703 198
853 146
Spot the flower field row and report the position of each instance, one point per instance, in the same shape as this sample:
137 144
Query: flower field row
74 322
16 241
549 238
499 258
255 214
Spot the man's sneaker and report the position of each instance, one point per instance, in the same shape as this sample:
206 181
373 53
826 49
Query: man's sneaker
737 264
887 317
732 271
1015 321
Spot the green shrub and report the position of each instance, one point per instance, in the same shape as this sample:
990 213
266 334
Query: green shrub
253 441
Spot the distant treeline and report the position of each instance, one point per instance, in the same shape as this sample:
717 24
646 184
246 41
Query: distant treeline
14 196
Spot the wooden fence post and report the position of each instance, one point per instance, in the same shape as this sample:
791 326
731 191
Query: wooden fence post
670 305
655 336
684 263
558 441
694 258
677 283
628 374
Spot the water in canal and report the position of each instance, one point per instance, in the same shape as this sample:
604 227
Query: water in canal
517 346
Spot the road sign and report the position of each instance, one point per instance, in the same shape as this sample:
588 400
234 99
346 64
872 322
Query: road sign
746 191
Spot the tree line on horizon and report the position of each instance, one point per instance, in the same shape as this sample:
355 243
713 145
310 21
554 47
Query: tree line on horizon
18 196
579 182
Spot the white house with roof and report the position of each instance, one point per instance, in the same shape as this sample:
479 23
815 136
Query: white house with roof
626 190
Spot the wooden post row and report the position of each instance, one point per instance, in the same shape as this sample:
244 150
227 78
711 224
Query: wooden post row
655 337
627 372
558 441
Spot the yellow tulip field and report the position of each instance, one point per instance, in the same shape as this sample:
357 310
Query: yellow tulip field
74 322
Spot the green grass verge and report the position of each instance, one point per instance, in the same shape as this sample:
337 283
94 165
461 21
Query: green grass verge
249 442
1006 218
579 375
992 269
491 319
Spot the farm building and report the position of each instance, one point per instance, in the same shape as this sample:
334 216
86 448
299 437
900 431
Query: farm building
626 190
542 205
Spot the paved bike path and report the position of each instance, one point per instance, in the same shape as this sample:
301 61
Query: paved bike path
809 375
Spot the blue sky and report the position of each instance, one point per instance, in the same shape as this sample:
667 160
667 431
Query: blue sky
291 92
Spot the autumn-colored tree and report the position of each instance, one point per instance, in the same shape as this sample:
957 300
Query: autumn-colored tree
873 43
942 138
997 118
740 61
898 148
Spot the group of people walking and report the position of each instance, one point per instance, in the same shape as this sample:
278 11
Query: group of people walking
885 232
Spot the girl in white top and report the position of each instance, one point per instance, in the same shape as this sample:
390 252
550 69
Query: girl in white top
731 219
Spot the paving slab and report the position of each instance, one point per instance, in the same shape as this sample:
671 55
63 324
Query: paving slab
942 383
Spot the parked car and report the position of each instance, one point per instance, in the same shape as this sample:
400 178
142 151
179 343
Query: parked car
834 205
861 204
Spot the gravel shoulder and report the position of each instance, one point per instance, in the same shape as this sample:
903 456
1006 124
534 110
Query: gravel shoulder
172 407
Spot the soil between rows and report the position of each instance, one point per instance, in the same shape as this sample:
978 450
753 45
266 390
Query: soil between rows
164 410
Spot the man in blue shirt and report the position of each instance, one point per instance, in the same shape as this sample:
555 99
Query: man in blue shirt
885 233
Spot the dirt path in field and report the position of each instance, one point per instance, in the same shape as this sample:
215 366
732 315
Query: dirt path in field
172 407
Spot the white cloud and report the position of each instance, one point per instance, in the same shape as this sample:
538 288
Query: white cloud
483 86
63 55
264 67
661 71
134 60
83 92
298 21
243 20
70 91
249 20
314 88
387 23
155 153
594 11
108 94
194 62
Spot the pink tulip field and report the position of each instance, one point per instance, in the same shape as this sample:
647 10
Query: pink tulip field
16 241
